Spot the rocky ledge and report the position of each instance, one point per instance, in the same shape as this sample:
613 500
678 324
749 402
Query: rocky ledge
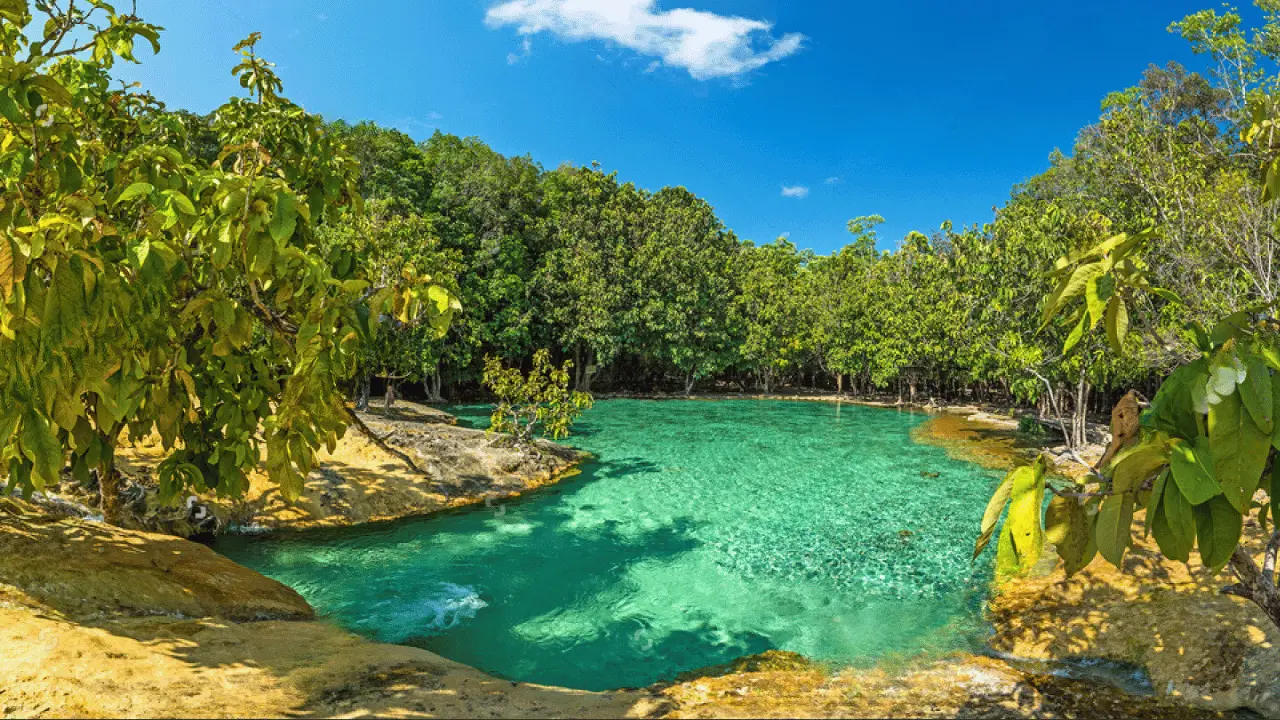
101 622
361 481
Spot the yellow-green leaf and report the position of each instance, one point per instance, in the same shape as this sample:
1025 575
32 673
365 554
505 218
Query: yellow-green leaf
1115 520
1239 450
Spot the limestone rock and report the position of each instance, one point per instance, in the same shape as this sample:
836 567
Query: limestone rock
88 569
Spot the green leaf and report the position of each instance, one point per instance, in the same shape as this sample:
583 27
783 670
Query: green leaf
1174 524
1239 451
1229 327
285 218
995 507
1117 323
1193 471
1173 409
1218 527
1256 393
1098 293
42 448
15 11
135 191
1114 530
7 274
1076 335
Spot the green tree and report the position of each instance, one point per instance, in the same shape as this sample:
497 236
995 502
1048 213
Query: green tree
540 402
681 271
142 290
768 309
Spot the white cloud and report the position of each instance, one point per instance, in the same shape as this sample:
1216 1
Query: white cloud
434 116
832 180
795 191
526 49
704 43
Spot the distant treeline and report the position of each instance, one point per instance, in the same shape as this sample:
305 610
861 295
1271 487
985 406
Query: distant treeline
649 291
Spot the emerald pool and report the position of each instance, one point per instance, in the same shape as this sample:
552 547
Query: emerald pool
703 531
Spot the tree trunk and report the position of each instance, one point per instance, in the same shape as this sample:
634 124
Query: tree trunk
1259 587
390 399
577 366
589 371
362 393
839 383
109 489
689 381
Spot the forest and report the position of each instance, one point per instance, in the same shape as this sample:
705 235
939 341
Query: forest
198 313
649 291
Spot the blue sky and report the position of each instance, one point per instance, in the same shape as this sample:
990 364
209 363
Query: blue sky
918 110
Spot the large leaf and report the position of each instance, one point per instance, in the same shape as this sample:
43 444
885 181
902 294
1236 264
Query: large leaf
1098 292
14 11
1256 393
1173 408
1218 527
1173 524
995 507
1193 471
1022 537
285 219
1239 450
1117 323
1067 527
7 274
41 447
1114 529
135 191
1138 464
1071 287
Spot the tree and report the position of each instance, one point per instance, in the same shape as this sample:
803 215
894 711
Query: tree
1196 461
582 282
143 290
768 309
540 402
681 272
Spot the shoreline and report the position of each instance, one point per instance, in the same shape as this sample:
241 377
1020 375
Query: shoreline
784 683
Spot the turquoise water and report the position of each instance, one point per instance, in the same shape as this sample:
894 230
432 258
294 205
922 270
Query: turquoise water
703 532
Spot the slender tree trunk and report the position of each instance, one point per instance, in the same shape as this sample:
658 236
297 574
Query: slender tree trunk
839 383
589 371
1258 586
390 399
577 366
362 393
431 385
109 486
689 380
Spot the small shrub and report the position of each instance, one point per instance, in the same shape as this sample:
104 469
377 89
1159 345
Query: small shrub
538 403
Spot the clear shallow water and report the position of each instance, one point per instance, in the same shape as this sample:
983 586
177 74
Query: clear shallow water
703 532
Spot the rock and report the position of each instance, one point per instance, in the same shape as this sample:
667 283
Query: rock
91 625
360 482
88 569
1197 645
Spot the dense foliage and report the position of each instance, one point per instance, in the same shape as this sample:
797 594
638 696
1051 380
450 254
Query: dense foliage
146 288
648 290
539 403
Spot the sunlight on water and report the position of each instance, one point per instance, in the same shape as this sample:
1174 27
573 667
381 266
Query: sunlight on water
703 532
